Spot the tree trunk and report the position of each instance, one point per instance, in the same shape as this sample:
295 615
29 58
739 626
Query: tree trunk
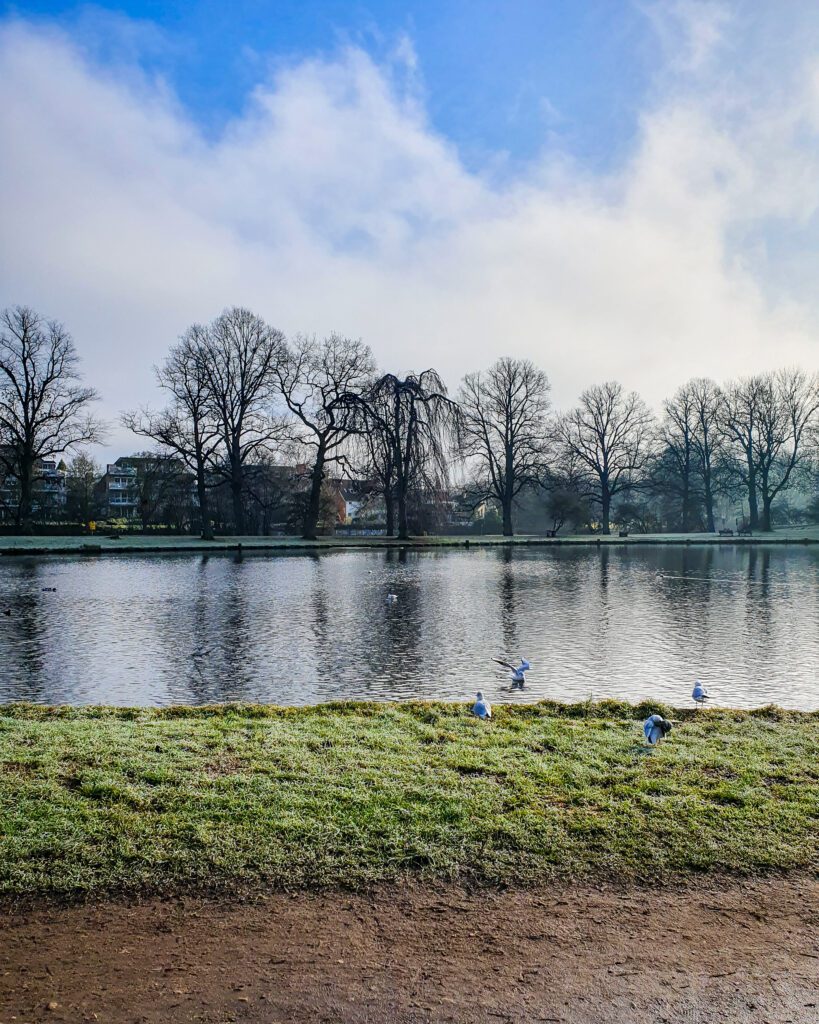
238 505
311 516
753 503
605 500
24 517
389 505
709 506
767 502
507 516
403 523
204 511
686 501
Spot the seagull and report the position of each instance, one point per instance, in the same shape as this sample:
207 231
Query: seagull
655 728
699 693
518 672
482 708
391 598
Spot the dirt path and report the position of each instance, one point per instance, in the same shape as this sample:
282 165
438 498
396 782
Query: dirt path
738 952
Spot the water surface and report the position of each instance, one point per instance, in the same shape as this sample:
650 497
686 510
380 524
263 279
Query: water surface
299 629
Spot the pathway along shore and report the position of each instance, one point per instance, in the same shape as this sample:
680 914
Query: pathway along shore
103 544
713 951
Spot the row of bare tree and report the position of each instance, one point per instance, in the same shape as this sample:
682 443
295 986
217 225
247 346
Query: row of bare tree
756 435
237 390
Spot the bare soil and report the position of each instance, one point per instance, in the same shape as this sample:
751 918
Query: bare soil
718 951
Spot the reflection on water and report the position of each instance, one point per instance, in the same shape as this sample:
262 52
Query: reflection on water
297 629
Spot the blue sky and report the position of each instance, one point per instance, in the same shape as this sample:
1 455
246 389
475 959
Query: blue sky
498 76
616 189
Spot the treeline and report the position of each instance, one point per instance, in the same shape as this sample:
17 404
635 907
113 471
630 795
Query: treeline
240 396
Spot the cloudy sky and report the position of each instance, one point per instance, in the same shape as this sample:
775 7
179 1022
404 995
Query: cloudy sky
614 189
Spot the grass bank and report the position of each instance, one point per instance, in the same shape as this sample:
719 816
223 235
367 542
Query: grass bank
102 800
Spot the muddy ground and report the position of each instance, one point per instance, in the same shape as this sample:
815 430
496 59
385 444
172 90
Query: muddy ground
716 951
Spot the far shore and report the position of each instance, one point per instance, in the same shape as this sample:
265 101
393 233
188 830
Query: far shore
104 543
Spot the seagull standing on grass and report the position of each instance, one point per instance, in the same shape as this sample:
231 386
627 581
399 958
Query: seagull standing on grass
655 728
518 671
482 708
699 693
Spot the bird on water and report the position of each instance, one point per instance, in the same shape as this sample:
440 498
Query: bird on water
482 708
518 671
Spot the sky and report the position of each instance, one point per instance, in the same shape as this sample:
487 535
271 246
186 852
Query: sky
616 189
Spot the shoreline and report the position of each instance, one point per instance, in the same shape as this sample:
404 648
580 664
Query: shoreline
85 545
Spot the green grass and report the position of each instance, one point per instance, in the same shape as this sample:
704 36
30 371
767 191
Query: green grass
240 798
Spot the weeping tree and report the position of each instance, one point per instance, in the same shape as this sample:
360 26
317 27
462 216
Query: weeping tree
322 384
503 427
417 422
44 409
378 461
187 427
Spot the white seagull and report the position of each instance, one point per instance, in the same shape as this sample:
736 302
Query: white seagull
699 693
482 708
518 671
655 728
392 598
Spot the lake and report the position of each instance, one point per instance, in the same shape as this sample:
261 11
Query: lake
303 628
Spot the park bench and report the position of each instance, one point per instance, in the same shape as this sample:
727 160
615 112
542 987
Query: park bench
726 533
744 531
623 533
551 533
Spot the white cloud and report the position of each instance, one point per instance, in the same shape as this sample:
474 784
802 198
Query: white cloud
331 204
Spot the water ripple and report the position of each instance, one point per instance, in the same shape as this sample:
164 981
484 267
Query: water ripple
299 629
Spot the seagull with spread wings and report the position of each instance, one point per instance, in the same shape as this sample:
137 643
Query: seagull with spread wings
518 671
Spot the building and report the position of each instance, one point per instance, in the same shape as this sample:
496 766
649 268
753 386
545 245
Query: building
151 487
117 490
48 491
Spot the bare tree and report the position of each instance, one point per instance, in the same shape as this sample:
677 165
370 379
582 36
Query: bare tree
504 428
739 414
322 384
611 434
241 354
81 480
161 480
416 419
676 470
187 426
706 401
43 407
777 432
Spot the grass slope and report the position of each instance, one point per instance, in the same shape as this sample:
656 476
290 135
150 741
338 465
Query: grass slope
103 800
